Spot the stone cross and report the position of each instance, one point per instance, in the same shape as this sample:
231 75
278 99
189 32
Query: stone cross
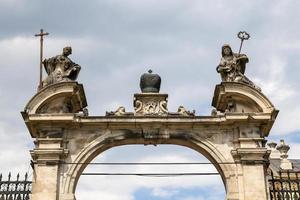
41 35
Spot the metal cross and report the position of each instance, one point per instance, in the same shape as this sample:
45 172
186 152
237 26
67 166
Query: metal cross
41 35
243 35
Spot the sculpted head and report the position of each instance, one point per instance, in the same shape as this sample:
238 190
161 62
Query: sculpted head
67 51
226 50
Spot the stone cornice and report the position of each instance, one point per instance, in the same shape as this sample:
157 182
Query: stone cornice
34 121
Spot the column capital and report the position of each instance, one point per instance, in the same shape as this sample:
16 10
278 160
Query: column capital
251 156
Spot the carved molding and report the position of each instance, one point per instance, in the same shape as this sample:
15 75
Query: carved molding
119 112
150 104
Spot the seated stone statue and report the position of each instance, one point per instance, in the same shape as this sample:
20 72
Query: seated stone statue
60 68
232 67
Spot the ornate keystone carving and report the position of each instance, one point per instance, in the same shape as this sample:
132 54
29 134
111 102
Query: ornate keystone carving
150 104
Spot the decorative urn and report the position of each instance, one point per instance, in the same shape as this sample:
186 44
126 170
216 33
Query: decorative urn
150 83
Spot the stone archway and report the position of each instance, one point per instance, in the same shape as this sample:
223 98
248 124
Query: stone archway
234 133
97 146
141 158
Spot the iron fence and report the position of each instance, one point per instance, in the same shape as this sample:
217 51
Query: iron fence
284 186
15 189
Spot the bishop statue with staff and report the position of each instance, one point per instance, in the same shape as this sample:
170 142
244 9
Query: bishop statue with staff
233 65
60 68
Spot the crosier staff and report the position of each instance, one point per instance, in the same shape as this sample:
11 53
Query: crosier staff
41 35
242 35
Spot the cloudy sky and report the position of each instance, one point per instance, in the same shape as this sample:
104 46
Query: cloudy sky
115 41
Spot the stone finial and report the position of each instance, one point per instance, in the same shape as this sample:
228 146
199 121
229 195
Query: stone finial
150 83
275 154
283 149
272 145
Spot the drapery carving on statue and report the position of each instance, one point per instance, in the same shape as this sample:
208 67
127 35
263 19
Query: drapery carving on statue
60 68
232 67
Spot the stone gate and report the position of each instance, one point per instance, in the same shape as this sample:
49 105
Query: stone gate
235 133
232 137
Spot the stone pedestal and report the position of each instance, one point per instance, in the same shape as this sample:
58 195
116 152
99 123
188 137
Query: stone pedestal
150 104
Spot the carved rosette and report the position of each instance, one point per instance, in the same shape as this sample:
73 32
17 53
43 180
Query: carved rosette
150 104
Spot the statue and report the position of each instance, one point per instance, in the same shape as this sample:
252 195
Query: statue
232 67
60 68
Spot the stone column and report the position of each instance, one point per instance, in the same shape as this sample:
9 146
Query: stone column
253 163
46 156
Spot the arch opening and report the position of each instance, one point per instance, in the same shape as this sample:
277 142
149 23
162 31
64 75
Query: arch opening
140 187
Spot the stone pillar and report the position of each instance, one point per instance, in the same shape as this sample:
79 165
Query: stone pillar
46 156
253 163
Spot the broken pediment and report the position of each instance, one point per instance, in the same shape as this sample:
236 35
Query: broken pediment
64 97
240 98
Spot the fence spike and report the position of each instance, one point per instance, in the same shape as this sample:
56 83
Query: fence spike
18 176
0 177
9 176
26 176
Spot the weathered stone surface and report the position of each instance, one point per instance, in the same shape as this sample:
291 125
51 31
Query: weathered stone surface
150 104
61 68
65 97
235 137
283 149
232 67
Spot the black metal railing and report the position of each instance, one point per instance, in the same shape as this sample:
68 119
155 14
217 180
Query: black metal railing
15 190
284 186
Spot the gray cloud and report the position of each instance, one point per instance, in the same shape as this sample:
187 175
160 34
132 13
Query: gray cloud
116 41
